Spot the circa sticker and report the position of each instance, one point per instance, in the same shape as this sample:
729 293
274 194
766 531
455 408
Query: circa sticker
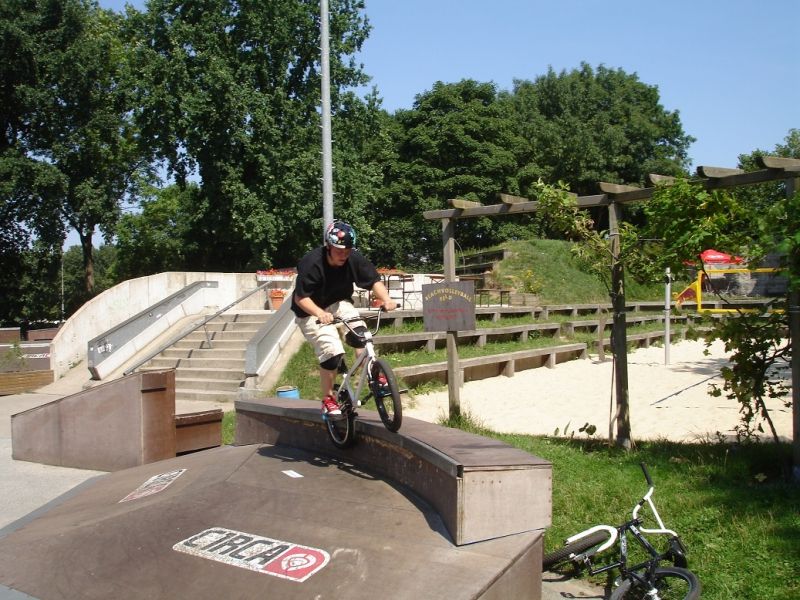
256 553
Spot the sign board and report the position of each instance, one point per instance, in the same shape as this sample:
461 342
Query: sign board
449 306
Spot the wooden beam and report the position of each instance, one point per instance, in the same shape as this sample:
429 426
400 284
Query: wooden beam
717 172
616 188
509 209
777 162
460 203
733 179
481 211
509 199
592 201
654 180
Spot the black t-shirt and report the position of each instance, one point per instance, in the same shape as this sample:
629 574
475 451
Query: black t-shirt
325 284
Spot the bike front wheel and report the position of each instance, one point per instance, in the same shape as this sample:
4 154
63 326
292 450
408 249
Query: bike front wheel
342 428
670 583
564 554
387 396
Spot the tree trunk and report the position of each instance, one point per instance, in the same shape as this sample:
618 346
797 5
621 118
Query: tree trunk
88 262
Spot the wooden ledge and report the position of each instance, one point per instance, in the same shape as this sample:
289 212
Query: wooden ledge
482 488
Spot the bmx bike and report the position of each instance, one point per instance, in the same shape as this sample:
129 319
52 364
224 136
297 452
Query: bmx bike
645 579
374 381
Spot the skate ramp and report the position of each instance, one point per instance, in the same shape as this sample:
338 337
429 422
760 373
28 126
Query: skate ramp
256 521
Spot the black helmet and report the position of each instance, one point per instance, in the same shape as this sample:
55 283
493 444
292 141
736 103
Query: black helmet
340 235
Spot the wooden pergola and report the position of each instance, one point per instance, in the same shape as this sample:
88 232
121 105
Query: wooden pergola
614 196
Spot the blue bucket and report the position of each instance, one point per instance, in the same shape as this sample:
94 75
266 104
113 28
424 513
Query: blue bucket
288 391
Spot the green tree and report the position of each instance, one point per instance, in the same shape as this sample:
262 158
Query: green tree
70 144
589 125
456 141
228 91
156 238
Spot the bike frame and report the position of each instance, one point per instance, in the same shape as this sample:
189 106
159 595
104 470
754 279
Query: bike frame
365 359
632 526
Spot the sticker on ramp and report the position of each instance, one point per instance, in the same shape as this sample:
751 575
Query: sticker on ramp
256 553
154 485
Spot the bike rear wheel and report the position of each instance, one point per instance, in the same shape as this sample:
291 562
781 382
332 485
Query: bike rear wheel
672 583
387 396
342 428
564 555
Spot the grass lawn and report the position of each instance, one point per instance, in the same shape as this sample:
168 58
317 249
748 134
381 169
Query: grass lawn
738 518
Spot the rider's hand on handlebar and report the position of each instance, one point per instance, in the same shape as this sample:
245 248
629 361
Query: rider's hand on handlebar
325 318
384 306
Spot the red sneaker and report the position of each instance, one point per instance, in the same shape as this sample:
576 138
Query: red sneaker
330 407
382 388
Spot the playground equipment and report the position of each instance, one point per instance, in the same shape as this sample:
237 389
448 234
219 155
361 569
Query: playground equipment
694 292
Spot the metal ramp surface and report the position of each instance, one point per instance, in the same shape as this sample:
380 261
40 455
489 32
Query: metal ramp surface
255 521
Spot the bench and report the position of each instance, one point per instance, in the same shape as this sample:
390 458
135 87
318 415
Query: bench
506 363
493 313
593 325
482 488
479 337
643 340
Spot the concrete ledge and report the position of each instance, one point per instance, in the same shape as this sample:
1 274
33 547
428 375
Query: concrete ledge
482 488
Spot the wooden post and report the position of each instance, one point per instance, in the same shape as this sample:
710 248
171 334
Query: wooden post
453 371
619 343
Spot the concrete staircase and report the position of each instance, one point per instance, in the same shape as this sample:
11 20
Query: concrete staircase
209 362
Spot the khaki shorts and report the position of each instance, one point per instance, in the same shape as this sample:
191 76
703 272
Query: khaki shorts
326 339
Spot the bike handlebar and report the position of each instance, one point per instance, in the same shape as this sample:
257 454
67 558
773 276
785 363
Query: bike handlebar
346 322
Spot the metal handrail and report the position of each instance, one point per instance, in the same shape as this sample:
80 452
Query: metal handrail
194 327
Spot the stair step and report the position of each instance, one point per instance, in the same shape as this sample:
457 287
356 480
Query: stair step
256 317
206 395
160 362
244 334
195 374
215 353
215 344
211 363
222 385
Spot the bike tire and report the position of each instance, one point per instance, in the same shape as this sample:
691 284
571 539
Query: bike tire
342 430
387 395
672 583
563 555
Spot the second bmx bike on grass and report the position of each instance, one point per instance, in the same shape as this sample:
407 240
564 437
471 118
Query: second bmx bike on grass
373 380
